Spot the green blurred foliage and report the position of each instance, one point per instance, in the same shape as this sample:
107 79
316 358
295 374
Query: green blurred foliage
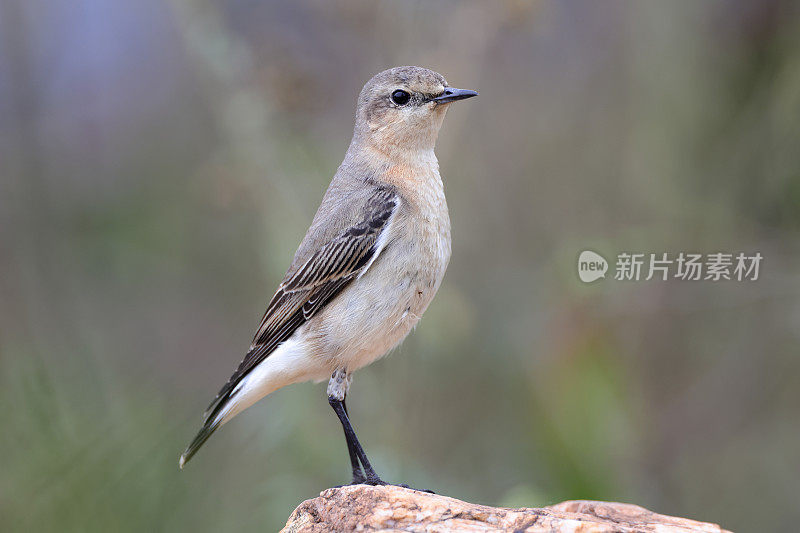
160 161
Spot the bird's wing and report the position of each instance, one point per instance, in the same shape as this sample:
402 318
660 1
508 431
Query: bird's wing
309 288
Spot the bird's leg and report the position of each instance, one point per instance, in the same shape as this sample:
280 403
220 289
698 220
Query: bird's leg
337 388
371 478
337 391
358 474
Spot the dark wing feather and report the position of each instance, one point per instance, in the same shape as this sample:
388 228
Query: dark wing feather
303 293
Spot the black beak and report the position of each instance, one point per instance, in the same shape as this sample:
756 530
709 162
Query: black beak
451 94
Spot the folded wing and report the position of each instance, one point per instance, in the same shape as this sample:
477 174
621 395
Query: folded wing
306 291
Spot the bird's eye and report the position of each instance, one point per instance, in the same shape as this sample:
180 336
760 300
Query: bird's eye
400 97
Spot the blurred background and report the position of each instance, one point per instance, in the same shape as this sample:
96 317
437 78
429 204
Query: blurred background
160 161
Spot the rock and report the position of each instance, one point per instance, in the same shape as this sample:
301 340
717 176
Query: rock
390 508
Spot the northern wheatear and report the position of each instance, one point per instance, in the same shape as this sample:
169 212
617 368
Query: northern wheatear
368 266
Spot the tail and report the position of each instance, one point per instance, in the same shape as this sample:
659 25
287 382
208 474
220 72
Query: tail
202 436
214 418
228 403
287 364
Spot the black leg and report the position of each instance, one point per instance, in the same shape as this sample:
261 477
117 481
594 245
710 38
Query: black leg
352 442
358 474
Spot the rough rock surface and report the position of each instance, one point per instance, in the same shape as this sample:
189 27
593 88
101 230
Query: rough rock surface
390 508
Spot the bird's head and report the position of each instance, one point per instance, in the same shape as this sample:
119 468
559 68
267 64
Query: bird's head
401 109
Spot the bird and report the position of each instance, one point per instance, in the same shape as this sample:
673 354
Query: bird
369 265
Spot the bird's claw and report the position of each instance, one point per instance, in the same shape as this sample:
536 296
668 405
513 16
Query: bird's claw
378 482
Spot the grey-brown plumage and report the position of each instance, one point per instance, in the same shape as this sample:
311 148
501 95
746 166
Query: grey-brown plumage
368 266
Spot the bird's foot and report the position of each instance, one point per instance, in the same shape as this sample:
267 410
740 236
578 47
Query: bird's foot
376 481
358 479
373 481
